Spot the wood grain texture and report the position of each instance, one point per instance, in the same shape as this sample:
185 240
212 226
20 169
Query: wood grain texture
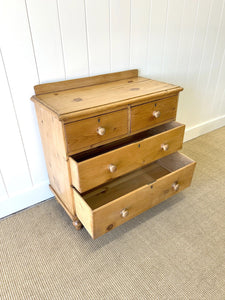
83 82
83 134
95 171
66 104
83 211
155 186
72 216
53 142
69 136
142 116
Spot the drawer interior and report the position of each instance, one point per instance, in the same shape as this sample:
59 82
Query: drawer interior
125 141
135 180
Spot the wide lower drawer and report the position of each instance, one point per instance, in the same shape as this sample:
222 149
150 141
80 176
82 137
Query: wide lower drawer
90 132
93 168
153 113
112 204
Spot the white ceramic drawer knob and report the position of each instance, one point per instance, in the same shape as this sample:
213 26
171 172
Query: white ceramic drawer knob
101 130
156 113
124 213
112 168
175 186
164 147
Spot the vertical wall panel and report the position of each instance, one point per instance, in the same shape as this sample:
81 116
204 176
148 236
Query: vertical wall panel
187 34
215 68
172 37
139 34
194 62
22 74
120 34
13 161
44 22
3 192
207 55
73 30
97 15
221 110
157 29
219 90
187 30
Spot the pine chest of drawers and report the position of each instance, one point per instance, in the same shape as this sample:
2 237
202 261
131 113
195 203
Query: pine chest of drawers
110 144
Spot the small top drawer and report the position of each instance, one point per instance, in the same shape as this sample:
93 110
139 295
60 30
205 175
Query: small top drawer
150 114
92 131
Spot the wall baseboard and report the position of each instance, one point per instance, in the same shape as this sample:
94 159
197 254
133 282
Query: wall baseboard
202 128
25 199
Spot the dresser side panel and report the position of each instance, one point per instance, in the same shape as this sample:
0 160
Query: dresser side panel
53 142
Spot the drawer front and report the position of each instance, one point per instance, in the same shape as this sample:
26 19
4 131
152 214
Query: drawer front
100 169
87 133
153 113
114 213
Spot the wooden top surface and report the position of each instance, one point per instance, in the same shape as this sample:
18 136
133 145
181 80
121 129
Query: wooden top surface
68 102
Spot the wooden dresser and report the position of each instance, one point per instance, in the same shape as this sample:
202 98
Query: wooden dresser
110 144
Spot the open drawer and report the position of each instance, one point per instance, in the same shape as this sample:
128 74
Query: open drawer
112 204
92 168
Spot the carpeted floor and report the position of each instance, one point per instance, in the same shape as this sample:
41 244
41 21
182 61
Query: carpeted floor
173 251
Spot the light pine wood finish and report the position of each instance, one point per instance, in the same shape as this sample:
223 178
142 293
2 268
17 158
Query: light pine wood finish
95 130
118 200
79 101
53 141
83 82
137 152
113 138
150 114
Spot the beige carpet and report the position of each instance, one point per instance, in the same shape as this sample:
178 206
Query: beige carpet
173 251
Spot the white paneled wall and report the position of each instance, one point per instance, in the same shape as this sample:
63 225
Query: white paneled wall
178 41
120 35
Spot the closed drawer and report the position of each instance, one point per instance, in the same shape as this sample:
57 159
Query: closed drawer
112 204
90 132
153 113
93 168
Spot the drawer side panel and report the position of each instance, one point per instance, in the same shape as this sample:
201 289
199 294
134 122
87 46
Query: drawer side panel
84 212
53 142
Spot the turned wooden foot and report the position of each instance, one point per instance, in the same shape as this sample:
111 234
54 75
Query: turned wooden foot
77 224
